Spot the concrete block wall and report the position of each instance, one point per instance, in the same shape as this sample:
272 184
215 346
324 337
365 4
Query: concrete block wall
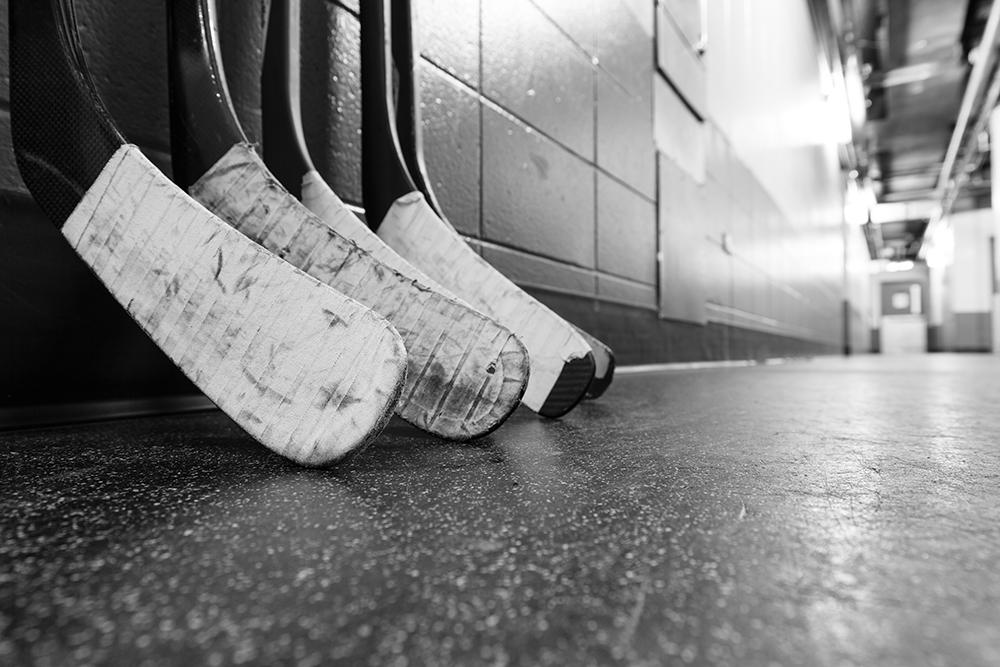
541 156
545 127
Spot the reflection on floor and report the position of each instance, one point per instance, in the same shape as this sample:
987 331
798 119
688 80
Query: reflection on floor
820 512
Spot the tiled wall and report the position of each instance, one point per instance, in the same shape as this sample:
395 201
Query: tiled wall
538 133
568 180
586 148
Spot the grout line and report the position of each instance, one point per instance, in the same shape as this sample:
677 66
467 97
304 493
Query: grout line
658 257
593 58
503 111
590 56
482 129
481 244
679 31
594 85
585 295
535 255
698 116
697 365
629 186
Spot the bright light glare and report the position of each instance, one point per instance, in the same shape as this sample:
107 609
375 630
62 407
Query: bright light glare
858 201
889 212
910 210
892 267
838 108
939 251
855 91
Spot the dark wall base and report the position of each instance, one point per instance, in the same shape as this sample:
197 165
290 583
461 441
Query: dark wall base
64 339
639 336
935 340
973 332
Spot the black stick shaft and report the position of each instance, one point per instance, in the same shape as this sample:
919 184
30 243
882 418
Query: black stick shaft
203 123
384 176
63 136
285 150
408 120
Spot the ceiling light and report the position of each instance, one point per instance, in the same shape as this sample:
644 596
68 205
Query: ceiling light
905 265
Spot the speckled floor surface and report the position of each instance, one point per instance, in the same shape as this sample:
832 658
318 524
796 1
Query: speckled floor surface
826 512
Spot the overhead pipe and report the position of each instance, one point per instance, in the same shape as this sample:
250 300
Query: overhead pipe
987 52
829 18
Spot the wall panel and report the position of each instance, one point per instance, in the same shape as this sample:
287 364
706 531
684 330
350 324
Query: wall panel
537 196
578 19
682 214
533 70
626 232
625 134
678 133
449 36
625 42
687 16
537 272
627 292
679 63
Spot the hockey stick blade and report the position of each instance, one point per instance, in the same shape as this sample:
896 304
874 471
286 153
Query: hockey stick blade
466 373
562 364
408 127
217 304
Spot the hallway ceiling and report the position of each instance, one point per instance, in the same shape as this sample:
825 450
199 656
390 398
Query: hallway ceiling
914 58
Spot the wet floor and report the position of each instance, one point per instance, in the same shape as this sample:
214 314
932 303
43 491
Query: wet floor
825 512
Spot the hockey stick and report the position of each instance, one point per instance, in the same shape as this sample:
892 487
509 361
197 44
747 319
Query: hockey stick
284 146
466 373
217 304
562 365
404 55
